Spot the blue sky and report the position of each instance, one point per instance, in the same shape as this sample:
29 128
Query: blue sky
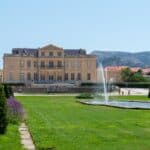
91 24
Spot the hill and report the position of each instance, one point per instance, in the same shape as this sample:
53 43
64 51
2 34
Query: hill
112 58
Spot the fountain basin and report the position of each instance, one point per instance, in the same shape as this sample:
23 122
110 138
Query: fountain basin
119 104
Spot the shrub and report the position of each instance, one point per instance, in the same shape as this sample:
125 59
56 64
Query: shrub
88 84
149 93
133 84
85 96
14 84
15 110
3 111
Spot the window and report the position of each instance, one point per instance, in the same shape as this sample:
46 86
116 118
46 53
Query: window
88 76
35 64
28 76
42 54
35 77
59 64
59 54
22 64
28 63
42 77
72 76
51 64
66 76
51 54
42 64
21 76
51 77
79 76
59 77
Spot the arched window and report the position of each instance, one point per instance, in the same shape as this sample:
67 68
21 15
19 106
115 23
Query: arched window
28 76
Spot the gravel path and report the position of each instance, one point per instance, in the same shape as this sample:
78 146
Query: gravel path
26 139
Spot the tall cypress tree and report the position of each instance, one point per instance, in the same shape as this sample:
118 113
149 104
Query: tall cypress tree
8 91
11 93
3 111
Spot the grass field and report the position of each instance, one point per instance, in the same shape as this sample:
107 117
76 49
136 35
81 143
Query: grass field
145 98
63 124
11 140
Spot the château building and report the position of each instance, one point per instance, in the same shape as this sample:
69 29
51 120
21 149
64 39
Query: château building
49 64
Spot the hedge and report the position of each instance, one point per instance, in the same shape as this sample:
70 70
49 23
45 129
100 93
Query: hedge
3 111
133 84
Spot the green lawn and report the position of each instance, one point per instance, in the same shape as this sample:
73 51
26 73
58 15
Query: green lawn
62 123
145 98
11 140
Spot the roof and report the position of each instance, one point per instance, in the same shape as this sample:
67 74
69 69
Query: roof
73 52
115 68
34 52
146 70
24 51
51 47
133 69
118 68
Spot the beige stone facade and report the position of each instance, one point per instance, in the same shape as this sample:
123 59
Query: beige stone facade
49 64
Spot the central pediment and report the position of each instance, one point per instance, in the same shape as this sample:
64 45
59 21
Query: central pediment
51 47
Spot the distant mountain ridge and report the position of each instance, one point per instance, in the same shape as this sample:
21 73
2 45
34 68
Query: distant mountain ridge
117 58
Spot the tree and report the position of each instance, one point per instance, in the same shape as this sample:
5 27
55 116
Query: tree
125 74
137 77
8 91
3 111
129 76
140 71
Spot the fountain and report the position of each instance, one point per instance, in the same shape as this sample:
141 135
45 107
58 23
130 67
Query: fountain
104 82
115 103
